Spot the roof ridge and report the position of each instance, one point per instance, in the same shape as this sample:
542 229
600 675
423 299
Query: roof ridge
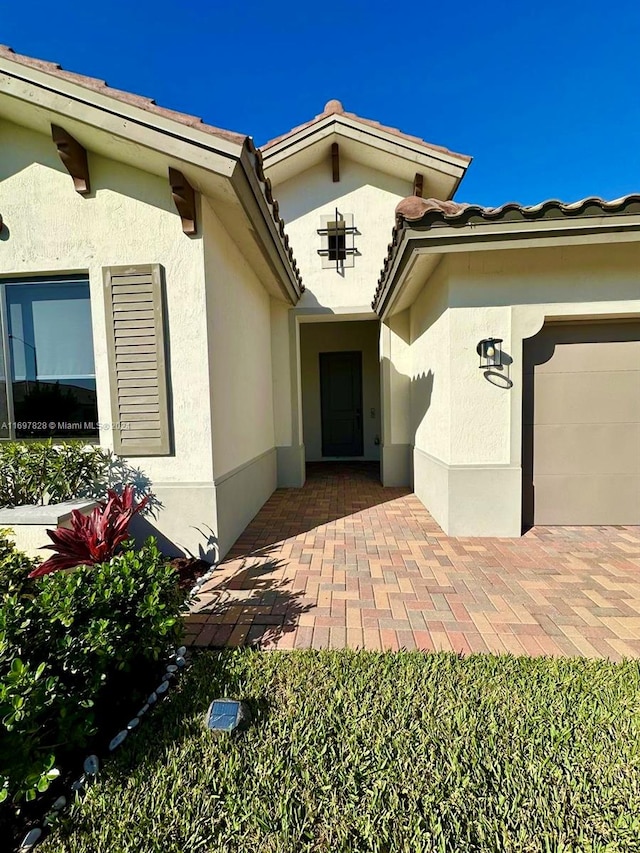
334 107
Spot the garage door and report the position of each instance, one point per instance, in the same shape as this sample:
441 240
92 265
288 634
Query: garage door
581 425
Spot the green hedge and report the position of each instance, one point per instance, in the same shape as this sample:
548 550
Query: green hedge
40 472
65 641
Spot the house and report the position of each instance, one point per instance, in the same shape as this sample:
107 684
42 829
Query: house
150 301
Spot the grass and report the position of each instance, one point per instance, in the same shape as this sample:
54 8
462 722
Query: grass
359 751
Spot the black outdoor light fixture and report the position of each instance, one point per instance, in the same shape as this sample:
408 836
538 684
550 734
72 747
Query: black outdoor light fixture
490 352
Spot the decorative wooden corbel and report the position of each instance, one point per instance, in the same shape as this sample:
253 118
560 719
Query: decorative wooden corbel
417 185
335 161
74 158
184 198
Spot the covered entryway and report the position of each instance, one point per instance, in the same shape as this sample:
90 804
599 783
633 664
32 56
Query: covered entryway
340 379
581 424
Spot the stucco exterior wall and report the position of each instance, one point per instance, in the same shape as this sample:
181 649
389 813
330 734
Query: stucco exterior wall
287 396
467 440
128 219
239 329
395 363
356 335
238 315
218 335
371 196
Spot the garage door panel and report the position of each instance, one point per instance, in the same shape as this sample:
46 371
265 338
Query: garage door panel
581 424
576 449
598 499
588 358
604 397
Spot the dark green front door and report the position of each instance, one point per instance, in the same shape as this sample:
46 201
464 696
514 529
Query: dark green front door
341 401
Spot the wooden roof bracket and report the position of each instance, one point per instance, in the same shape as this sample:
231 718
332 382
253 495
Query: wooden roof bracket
184 198
335 161
74 158
418 182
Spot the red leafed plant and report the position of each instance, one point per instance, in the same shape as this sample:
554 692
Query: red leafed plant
92 538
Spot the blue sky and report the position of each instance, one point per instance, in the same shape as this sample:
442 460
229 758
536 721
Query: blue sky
543 94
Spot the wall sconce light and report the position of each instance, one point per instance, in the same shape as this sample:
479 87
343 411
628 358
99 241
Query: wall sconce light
490 352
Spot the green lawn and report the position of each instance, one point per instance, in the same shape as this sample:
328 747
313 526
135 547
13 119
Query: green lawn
358 751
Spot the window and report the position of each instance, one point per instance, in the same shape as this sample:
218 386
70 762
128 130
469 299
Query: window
337 241
47 373
338 233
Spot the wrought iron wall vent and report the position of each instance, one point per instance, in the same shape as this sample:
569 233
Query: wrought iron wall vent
338 240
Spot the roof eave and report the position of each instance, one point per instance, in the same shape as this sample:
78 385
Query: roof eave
410 239
261 208
128 121
180 143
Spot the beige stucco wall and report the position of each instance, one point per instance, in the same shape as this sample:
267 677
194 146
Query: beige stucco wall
239 327
219 346
129 219
241 381
467 440
359 336
371 196
395 358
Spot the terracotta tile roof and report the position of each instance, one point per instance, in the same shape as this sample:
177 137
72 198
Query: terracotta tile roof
427 213
334 107
183 118
100 86
275 210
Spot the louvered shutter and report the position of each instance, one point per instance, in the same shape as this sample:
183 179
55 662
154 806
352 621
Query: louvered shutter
136 343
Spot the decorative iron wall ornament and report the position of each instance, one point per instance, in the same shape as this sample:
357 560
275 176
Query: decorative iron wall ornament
338 240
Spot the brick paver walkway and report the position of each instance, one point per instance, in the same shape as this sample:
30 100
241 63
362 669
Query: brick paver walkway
346 562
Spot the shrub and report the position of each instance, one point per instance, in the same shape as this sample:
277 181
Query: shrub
15 568
92 538
99 619
41 472
26 698
65 641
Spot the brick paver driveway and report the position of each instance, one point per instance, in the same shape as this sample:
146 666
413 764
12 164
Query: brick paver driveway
345 562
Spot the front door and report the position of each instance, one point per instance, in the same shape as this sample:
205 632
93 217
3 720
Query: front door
341 400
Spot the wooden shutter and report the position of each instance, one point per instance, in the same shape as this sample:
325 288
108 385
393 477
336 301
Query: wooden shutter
136 345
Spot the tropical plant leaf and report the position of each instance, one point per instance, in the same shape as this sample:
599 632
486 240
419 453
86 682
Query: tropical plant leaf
93 538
